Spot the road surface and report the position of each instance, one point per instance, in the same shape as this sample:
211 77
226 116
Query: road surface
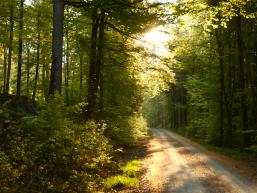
177 165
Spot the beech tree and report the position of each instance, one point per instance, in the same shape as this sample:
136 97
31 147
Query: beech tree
56 68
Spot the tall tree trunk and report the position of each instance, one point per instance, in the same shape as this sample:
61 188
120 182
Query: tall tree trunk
230 92
67 67
44 77
18 92
80 73
38 59
47 78
7 85
92 79
101 99
242 80
100 59
56 70
27 70
5 66
222 88
96 57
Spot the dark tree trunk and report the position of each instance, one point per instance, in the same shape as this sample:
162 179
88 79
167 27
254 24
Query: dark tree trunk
96 57
7 85
242 79
80 74
44 77
101 84
100 59
38 60
92 78
47 78
27 70
230 92
5 66
222 88
56 70
67 76
20 49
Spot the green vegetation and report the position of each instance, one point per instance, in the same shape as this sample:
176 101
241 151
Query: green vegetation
77 76
121 181
72 83
51 153
214 59
131 168
127 179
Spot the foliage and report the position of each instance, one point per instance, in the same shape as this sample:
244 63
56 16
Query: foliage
214 97
47 160
131 168
127 179
121 181
127 131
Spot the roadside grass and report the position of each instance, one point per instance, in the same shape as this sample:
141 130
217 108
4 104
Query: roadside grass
131 168
128 178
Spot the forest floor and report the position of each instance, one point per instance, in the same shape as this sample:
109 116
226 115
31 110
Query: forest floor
172 163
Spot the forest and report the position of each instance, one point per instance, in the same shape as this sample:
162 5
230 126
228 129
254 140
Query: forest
81 81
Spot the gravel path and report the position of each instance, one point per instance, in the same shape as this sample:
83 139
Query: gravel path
177 165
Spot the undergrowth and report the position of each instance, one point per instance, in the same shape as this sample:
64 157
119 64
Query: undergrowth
54 151
128 178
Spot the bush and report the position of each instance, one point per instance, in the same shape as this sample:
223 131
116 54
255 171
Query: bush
127 131
49 153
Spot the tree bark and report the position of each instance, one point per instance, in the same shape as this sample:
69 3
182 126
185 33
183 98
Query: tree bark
44 77
242 80
7 85
18 91
67 67
56 70
222 88
230 92
92 78
27 70
100 60
38 60
5 66
80 73
96 57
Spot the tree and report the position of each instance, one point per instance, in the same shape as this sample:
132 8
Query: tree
56 69
10 48
20 49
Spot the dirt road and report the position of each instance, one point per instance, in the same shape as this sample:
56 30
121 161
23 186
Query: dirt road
178 165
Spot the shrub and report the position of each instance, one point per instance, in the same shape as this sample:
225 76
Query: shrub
49 153
127 131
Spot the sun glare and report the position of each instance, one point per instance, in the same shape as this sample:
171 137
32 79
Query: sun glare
156 41
156 37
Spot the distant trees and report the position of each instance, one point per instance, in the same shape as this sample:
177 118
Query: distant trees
215 44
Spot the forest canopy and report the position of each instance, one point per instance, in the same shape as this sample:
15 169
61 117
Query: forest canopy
73 78
82 79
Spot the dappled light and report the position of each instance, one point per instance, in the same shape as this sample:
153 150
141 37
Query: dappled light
83 81
157 41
